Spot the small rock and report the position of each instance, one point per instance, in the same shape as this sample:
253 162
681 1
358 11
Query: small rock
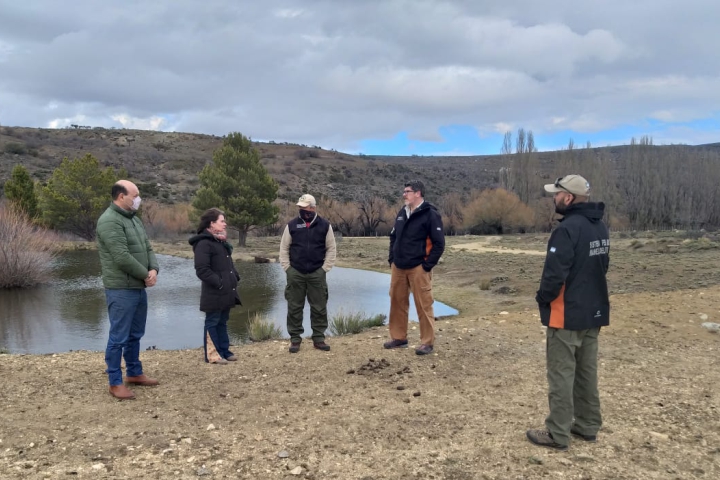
283 454
350 372
416 394
584 458
566 462
703 316
296 471
202 471
210 427
400 387
407 400
504 313
190 460
660 436
98 466
536 460
187 440
712 327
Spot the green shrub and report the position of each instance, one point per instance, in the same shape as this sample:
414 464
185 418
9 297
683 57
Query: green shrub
261 328
15 148
354 322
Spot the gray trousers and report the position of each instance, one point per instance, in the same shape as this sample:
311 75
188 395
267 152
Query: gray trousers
573 383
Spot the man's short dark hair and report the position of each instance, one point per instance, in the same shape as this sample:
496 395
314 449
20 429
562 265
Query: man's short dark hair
117 189
417 186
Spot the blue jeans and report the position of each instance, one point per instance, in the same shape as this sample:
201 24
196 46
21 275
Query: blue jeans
216 335
127 309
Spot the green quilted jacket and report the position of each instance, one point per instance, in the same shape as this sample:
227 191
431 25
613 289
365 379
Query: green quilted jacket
125 252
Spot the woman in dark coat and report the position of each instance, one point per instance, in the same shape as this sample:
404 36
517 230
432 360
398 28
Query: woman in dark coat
214 266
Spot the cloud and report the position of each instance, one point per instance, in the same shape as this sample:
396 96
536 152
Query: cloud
334 73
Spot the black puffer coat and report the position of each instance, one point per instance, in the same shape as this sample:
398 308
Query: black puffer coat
214 266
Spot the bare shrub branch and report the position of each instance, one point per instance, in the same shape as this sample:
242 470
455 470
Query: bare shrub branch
26 250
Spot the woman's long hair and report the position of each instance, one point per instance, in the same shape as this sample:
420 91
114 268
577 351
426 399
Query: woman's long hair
210 215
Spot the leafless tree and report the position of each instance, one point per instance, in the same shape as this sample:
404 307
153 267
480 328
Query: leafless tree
507 144
371 212
451 208
496 211
342 216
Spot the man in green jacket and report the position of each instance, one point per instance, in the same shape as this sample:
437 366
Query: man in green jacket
128 267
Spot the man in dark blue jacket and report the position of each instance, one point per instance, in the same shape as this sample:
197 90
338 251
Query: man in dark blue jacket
574 304
416 243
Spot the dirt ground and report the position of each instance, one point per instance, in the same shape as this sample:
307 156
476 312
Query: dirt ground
360 412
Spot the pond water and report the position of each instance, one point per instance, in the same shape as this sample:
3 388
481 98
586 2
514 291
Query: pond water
70 312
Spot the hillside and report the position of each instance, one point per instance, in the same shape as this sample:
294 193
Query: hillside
166 165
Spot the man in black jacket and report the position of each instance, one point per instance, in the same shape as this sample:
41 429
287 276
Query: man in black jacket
416 243
307 253
574 305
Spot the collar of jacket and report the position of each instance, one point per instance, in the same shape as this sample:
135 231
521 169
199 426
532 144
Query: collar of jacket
591 210
300 220
409 212
121 211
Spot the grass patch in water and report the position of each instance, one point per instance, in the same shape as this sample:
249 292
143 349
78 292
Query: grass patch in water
354 322
261 329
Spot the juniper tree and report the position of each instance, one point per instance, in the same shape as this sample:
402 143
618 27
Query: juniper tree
20 191
237 183
77 193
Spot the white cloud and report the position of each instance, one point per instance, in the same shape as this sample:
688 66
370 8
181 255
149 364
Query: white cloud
66 122
288 13
150 123
336 72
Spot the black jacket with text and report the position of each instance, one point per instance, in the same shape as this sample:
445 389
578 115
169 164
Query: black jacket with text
573 292
418 240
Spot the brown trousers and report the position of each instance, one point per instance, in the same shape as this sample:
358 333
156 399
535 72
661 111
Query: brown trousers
419 282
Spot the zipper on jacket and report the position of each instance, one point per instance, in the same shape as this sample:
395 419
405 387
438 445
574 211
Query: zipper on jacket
307 253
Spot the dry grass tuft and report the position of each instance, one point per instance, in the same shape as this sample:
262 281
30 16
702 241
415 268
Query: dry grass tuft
26 250
261 329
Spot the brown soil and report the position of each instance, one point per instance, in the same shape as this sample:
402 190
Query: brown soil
360 412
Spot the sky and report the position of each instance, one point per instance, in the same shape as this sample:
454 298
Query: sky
379 77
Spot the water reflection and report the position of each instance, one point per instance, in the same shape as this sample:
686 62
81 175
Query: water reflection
71 314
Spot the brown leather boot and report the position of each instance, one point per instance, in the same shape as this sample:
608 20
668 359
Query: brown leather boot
141 380
121 392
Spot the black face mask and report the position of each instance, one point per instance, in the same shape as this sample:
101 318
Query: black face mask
307 215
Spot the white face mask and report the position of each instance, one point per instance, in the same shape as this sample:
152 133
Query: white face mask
136 203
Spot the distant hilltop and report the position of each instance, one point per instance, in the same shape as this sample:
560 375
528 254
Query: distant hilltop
170 162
